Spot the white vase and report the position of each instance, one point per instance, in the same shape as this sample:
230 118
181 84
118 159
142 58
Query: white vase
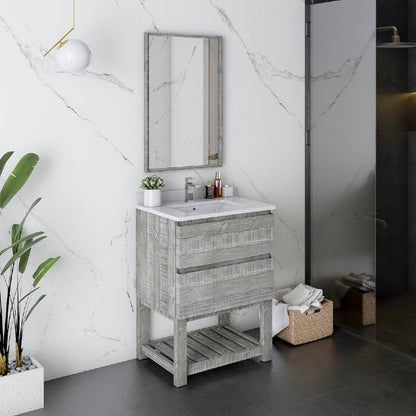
152 198
22 392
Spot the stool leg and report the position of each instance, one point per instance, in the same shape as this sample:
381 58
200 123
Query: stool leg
143 329
266 330
180 356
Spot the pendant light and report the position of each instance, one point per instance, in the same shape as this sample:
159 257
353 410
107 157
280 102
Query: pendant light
73 55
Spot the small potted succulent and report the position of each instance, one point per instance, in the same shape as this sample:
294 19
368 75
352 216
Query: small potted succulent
152 186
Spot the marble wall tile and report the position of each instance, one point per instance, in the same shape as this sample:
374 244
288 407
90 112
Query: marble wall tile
88 130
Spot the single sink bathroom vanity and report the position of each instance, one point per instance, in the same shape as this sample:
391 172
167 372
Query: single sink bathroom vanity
200 259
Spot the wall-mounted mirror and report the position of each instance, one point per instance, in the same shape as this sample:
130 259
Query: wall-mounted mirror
183 101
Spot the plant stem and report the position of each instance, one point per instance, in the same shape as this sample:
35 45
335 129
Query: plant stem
18 356
6 346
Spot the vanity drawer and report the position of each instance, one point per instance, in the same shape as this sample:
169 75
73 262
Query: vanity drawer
226 287
199 244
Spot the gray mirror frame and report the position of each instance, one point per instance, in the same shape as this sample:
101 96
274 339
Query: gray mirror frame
217 162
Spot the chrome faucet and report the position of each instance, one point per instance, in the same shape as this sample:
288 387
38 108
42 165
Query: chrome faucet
189 189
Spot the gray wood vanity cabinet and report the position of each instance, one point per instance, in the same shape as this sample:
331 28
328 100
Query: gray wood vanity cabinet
192 269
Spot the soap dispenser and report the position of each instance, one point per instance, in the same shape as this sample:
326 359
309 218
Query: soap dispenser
218 185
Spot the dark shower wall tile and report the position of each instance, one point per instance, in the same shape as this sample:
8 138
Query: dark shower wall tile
392 174
412 38
411 20
393 12
412 209
396 182
392 202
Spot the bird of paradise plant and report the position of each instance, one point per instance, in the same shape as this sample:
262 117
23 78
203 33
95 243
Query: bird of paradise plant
16 307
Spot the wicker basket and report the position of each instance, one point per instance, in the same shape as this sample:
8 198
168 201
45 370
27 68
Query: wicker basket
369 308
305 328
360 307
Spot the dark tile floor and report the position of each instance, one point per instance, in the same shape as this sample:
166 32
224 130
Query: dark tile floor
396 321
341 375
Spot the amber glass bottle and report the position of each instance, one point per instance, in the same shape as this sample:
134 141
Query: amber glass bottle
218 185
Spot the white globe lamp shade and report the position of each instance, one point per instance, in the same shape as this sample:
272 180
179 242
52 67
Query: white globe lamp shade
73 56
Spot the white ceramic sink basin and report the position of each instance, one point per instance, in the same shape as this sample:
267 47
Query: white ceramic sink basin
194 210
205 207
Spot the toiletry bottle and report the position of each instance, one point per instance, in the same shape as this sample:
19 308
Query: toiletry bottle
210 190
218 185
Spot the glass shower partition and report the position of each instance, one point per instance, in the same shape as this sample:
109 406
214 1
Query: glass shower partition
362 165
343 156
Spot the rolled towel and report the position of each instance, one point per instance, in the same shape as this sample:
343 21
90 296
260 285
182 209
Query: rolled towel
368 281
368 276
361 281
315 298
298 295
369 285
357 281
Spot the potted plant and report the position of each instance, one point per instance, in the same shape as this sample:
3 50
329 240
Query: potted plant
152 186
22 378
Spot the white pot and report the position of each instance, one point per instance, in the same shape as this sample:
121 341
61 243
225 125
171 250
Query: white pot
152 198
22 392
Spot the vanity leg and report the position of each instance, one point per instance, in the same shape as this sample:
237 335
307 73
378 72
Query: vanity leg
224 319
266 330
143 329
180 356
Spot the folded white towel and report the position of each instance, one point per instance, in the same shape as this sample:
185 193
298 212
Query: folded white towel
315 298
298 295
280 317
301 309
303 297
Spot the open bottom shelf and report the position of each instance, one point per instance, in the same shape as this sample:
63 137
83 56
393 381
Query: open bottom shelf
206 349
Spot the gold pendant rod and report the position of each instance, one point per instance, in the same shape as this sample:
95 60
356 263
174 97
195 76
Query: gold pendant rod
66 34
59 41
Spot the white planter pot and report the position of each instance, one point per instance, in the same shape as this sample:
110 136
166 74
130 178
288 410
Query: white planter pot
22 392
152 198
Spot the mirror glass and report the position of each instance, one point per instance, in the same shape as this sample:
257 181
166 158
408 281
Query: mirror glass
183 89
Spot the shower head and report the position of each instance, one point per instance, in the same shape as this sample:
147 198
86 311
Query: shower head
395 40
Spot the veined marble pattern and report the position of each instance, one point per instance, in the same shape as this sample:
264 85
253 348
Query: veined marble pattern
343 139
88 130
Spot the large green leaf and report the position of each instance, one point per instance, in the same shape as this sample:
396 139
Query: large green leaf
25 257
21 240
14 232
20 252
17 233
22 223
4 160
28 294
34 306
18 178
43 269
